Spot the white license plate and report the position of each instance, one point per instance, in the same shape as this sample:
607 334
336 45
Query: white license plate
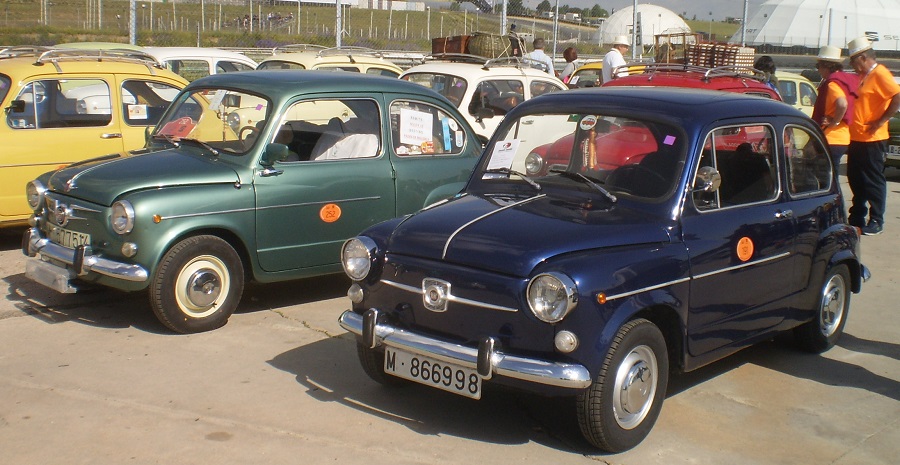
894 151
434 373
70 239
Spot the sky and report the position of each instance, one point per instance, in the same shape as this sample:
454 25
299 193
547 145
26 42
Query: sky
719 8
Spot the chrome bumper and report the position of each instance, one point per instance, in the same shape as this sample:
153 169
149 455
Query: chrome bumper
80 259
486 359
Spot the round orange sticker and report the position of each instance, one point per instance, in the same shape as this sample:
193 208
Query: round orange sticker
744 249
330 213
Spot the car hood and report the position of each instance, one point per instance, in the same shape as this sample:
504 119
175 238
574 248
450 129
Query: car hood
513 235
102 180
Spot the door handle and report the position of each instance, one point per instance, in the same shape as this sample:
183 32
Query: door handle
783 214
268 172
111 135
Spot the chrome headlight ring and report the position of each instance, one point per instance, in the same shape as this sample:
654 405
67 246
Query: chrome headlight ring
34 193
357 256
534 163
551 296
121 217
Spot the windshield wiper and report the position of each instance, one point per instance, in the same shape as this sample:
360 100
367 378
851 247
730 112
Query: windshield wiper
508 171
202 144
170 139
586 180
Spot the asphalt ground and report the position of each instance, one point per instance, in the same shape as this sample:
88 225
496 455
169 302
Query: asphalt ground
93 378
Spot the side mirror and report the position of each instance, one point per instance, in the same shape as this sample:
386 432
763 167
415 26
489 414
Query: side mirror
16 106
708 180
484 113
232 101
274 152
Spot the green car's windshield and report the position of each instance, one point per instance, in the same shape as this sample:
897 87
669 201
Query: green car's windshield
225 120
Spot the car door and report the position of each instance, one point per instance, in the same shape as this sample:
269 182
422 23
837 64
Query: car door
63 121
740 239
309 204
433 152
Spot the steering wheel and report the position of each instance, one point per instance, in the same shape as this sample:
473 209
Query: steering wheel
251 131
622 178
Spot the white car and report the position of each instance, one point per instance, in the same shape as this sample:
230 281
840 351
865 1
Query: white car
196 62
483 90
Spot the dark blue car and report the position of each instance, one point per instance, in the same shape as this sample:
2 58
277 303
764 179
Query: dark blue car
607 238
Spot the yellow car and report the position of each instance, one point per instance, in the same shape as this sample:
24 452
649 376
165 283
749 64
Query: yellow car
587 75
64 106
352 59
797 91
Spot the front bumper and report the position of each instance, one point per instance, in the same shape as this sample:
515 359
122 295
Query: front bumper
78 262
486 359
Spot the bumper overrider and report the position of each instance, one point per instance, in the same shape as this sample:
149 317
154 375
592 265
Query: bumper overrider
487 359
78 262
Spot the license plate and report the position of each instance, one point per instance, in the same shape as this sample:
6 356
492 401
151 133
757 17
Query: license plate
430 372
70 239
893 151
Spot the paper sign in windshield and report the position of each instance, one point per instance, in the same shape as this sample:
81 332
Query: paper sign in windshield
415 126
503 154
216 100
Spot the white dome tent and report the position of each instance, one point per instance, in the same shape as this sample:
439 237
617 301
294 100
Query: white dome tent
654 20
813 23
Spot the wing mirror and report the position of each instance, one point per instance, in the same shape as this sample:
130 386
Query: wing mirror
708 180
274 152
16 106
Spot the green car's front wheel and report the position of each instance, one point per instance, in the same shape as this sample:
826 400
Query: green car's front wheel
198 285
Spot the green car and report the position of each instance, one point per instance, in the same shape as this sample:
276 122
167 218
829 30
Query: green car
248 176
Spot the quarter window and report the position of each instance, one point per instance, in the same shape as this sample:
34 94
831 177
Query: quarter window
144 102
808 164
744 158
419 129
542 87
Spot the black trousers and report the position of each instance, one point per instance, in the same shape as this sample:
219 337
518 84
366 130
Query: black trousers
865 173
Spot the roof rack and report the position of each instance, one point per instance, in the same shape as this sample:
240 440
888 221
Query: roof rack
518 62
22 50
55 56
298 48
349 51
706 72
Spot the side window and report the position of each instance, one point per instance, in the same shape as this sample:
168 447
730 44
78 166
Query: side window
743 156
422 129
541 88
382 72
316 130
63 103
497 95
788 91
189 69
144 102
231 66
808 166
807 95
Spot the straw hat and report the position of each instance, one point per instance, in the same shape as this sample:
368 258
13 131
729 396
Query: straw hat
622 40
830 53
859 45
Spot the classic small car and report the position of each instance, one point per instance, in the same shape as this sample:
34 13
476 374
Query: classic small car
595 280
212 203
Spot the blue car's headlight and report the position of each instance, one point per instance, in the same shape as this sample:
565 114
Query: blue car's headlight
551 296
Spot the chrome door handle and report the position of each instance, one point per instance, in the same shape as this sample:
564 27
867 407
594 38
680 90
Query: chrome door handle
782 214
111 135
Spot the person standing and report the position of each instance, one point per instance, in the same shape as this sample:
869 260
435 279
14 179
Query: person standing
766 64
615 58
833 110
539 56
878 98
570 54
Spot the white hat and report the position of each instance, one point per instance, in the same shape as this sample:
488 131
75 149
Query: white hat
830 53
621 40
859 45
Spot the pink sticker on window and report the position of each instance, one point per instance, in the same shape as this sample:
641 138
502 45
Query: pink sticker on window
669 140
259 107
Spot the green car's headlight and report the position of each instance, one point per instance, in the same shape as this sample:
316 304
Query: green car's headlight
34 192
356 257
551 296
122 217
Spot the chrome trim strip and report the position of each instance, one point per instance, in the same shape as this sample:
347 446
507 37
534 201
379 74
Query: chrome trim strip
565 375
648 288
241 210
458 230
743 265
451 297
38 245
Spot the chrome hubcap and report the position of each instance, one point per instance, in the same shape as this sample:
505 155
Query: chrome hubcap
832 305
204 288
635 387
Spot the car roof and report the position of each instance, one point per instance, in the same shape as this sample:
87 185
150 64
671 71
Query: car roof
310 56
471 69
166 53
728 78
689 105
35 61
288 82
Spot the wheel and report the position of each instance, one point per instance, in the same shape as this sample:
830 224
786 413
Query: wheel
372 362
823 332
198 285
620 407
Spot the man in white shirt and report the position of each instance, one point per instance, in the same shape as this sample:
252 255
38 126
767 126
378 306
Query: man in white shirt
541 57
615 58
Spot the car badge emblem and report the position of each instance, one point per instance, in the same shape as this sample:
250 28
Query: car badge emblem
61 214
70 184
435 294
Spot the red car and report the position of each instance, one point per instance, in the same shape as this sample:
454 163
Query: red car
616 146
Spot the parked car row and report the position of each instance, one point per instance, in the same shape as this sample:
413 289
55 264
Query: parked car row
584 243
